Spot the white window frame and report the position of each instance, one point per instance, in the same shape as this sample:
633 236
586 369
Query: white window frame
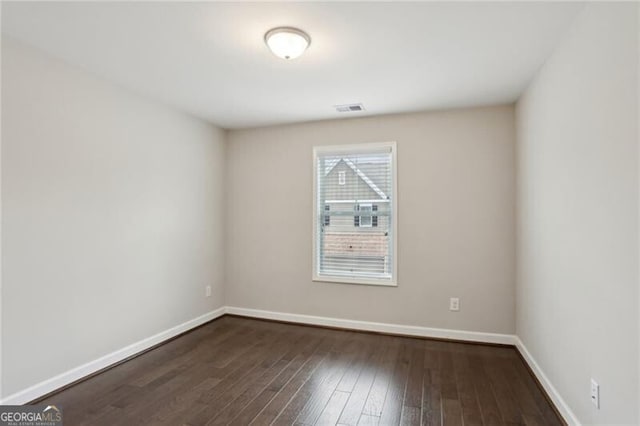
364 147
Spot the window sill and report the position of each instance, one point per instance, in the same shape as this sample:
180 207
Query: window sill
357 281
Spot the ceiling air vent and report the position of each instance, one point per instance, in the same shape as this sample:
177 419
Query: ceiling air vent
349 108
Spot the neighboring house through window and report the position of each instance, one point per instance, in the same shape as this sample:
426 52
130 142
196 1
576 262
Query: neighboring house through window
355 214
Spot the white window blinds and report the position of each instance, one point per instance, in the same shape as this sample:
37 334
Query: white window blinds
355 214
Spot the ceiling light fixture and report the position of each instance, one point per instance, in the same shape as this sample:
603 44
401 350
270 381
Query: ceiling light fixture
287 42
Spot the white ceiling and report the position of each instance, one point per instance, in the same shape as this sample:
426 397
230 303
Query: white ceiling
210 60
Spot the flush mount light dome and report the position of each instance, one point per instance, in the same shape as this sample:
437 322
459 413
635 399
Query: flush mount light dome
287 42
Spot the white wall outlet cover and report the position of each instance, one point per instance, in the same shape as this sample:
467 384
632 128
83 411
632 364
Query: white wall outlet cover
595 393
454 304
207 291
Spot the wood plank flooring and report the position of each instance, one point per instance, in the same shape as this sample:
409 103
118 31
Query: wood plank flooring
241 371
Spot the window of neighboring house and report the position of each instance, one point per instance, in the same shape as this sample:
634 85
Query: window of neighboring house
365 215
342 178
355 223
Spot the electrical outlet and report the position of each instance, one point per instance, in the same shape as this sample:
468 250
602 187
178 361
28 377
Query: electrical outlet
454 304
207 291
595 393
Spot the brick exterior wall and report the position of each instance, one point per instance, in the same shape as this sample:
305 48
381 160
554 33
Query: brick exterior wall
355 244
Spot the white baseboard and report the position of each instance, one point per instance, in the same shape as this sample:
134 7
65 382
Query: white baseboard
553 393
91 367
407 330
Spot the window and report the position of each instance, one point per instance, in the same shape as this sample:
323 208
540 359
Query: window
366 217
354 232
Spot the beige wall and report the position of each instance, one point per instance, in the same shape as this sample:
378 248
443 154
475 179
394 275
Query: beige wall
577 297
456 220
112 217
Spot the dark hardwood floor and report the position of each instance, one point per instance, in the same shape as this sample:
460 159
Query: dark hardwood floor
241 371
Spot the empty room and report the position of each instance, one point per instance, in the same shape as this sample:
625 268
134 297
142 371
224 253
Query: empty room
320 213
